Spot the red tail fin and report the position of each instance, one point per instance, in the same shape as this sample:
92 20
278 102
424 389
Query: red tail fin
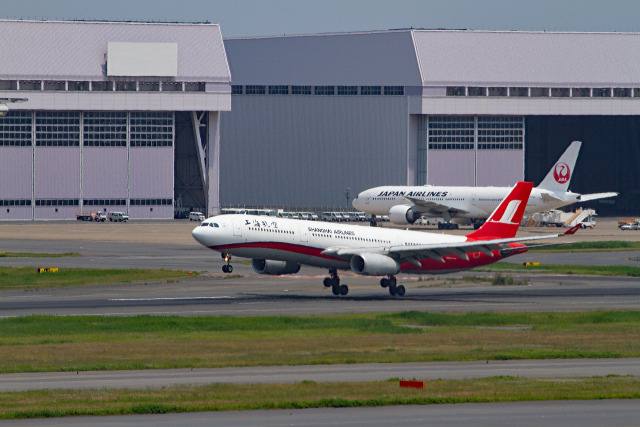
505 220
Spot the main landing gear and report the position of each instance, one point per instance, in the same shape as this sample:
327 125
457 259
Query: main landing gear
334 283
227 268
391 284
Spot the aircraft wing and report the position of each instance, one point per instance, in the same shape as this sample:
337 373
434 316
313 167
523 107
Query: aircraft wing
413 253
424 206
596 196
550 197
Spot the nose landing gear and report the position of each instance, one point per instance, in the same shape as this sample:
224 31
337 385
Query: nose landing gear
334 283
391 284
227 268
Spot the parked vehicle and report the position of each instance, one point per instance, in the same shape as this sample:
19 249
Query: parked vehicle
631 226
196 216
90 216
118 216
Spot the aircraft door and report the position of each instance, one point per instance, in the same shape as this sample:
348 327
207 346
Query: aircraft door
237 228
304 234
473 200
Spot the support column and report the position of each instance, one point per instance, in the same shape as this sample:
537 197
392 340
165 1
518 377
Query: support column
213 164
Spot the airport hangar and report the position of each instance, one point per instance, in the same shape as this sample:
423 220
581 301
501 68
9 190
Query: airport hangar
118 117
316 114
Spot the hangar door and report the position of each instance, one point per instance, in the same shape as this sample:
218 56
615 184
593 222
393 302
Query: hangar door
470 150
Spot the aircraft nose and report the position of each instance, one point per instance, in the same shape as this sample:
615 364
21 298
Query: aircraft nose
357 202
198 233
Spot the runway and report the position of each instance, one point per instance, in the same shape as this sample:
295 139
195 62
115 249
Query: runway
360 372
565 413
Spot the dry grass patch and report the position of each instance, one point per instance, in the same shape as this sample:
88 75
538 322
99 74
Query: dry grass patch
308 394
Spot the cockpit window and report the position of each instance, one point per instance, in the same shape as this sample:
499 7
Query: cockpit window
213 224
204 224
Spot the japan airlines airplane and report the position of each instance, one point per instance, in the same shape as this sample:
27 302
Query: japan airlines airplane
281 245
405 204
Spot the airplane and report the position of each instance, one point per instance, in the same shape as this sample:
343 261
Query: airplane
280 245
466 205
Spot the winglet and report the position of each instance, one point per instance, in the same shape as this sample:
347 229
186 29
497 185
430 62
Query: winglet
559 176
505 220
572 230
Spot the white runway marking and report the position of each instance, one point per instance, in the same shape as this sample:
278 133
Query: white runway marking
170 298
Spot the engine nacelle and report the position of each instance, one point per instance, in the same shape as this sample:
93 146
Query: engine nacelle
403 215
374 265
267 266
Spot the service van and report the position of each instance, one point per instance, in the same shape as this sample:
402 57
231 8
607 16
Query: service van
196 216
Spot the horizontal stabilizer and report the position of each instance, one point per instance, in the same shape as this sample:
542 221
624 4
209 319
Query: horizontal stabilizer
596 196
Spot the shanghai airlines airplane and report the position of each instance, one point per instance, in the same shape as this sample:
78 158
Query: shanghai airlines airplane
405 204
280 245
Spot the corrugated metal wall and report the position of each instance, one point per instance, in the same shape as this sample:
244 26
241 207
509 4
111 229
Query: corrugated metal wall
151 177
307 150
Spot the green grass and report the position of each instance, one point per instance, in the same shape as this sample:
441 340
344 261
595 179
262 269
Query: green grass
37 255
308 394
596 270
29 278
50 343
602 246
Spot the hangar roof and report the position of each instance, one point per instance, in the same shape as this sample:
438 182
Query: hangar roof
75 50
374 58
438 58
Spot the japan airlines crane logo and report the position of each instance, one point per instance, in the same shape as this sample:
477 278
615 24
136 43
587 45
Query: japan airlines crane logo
562 173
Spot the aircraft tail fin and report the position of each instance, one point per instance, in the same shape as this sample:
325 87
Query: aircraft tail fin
559 176
505 220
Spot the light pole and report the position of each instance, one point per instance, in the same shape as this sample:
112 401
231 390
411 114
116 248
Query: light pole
348 196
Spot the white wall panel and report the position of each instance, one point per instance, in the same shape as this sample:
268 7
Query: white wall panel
151 172
57 172
500 167
104 172
450 167
16 172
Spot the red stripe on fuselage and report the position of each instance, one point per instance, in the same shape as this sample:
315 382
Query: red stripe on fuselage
452 262
287 247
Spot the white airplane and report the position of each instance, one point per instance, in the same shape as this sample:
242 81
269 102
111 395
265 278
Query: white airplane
405 204
280 245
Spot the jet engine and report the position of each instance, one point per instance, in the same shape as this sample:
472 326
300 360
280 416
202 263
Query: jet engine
403 215
374 265
262 266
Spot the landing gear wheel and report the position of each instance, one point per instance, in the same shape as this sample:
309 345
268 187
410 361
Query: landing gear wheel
224 268
334 283
384 283
400 290
229 268
392 290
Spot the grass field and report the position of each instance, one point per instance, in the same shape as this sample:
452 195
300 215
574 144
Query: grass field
596 270
600 246
29 278
308 394
50 343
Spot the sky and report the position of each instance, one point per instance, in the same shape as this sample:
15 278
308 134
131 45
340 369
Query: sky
248 18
